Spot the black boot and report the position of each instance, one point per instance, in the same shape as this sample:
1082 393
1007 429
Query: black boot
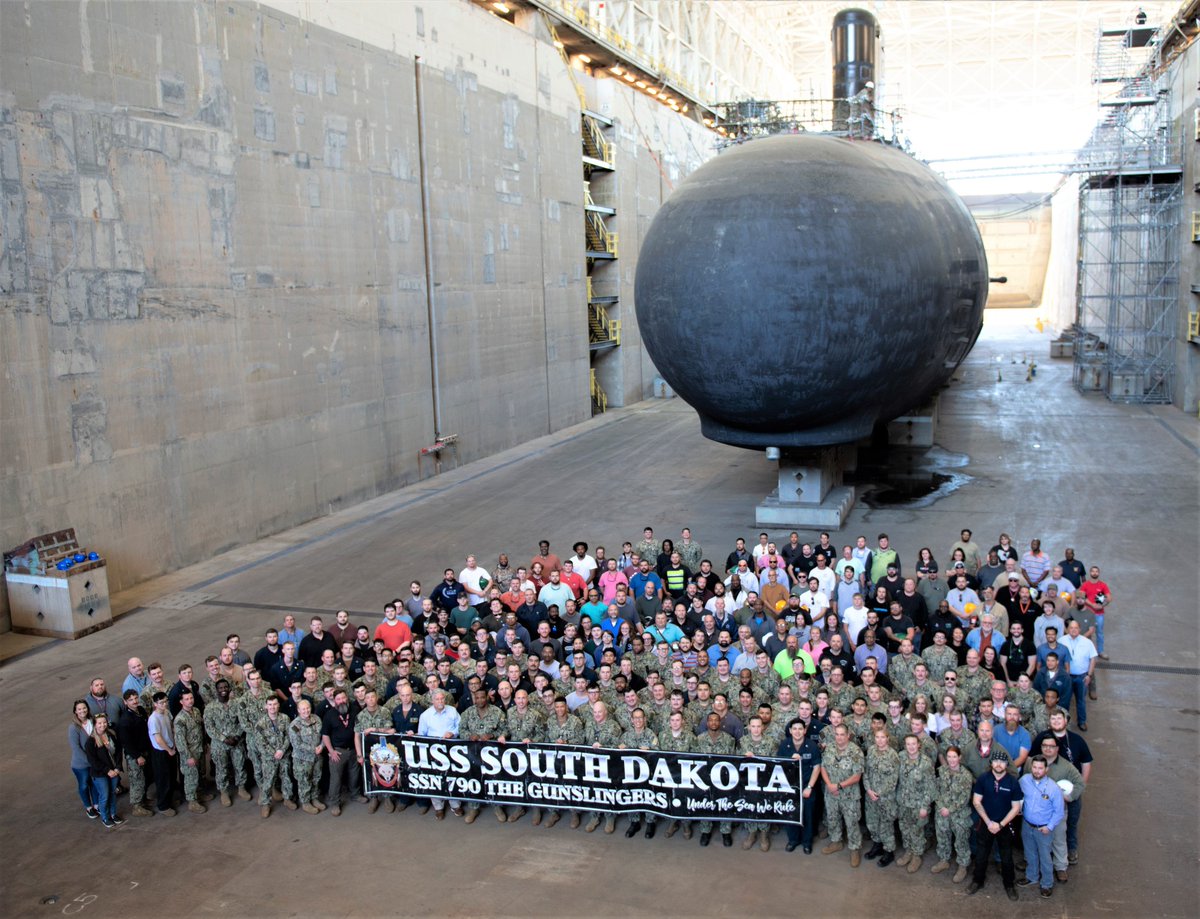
874 852
886 859
632 831
650 827
727 840
705 838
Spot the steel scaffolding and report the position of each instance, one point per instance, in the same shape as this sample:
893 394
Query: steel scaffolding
1130 213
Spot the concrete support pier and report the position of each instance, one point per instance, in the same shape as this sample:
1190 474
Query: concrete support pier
810 492
917 428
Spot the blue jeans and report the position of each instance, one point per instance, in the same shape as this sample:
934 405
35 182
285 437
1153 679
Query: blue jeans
105 790
1074 809
83 778
1039 867
1079 692
1100 634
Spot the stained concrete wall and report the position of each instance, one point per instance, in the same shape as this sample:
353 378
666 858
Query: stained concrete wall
213 299
212 290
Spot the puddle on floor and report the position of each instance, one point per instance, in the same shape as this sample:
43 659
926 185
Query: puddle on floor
906 477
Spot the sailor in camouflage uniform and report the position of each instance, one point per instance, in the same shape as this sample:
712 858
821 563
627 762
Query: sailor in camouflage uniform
602 731
189 742
648 547
841 769
640 737
952 814
270 736
251 706
304 733
756 743
880 777
225 736
714 740
939 658
679 737
373 718
563 728
523 723
957 735
917 787
482 721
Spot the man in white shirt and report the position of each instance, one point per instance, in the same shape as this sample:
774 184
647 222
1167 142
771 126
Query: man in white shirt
815 600
476 581
584 564
825 576
854 618
761 547
748 578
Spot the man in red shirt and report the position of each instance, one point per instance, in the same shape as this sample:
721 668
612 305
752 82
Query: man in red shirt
514 597
1098 598
392 632
575 581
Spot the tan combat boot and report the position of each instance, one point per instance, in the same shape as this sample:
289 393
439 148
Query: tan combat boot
855 858
751 838
915 865
940 867
832 848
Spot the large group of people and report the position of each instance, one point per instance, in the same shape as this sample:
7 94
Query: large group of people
929 701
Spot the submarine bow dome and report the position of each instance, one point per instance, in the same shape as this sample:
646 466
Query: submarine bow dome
799 290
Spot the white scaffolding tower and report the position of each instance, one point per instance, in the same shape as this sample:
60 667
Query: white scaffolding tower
1130 203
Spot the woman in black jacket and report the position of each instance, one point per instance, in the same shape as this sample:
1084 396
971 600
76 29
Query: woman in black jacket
104 758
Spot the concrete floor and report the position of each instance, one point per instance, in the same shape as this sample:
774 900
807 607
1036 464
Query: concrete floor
1118 482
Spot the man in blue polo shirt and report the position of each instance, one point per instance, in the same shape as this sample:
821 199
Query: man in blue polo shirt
997 800
1043 809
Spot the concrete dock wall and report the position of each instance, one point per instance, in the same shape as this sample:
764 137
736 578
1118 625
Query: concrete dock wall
214 309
